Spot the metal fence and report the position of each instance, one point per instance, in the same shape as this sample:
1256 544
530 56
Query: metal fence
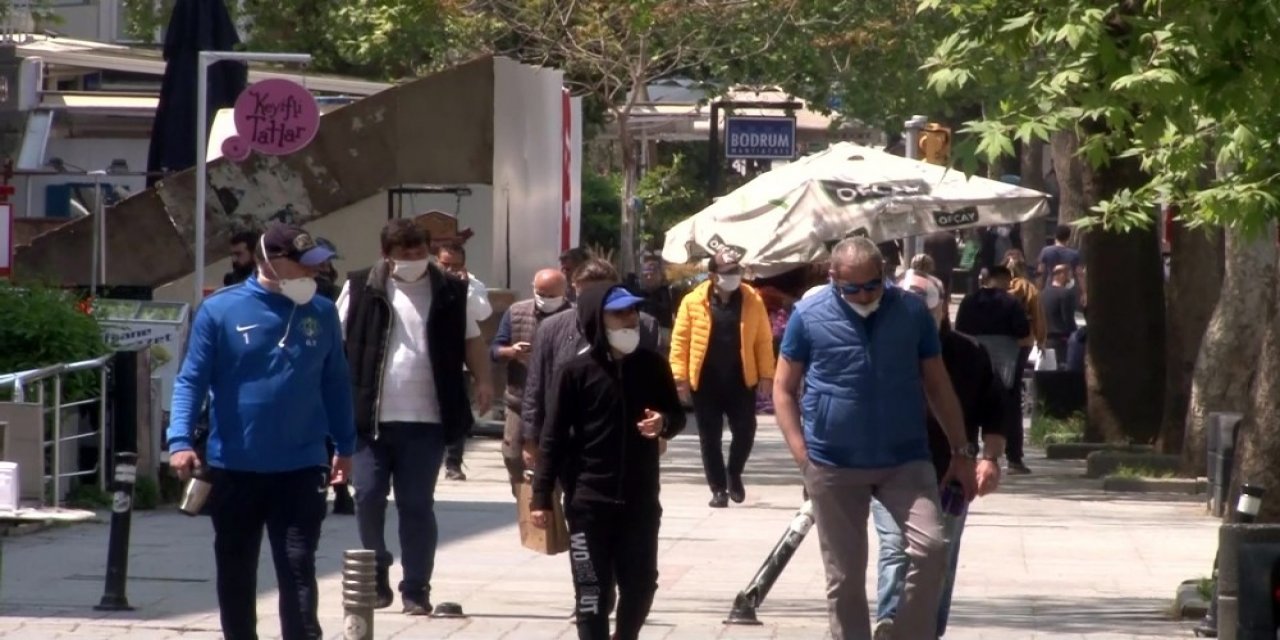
46 386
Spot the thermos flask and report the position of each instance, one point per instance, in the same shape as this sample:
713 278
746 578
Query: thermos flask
196 492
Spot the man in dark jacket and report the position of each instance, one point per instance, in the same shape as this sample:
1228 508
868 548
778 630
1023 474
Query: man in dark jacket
600 444
559 340
1059 301
982 399
997 320
408 335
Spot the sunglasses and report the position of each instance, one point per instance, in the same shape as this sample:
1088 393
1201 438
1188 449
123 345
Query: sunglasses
853 288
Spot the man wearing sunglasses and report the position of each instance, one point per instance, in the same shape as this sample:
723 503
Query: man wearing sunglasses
869 358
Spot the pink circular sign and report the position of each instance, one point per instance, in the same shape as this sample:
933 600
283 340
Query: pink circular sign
277 116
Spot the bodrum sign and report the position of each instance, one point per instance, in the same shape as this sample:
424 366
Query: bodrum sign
275 117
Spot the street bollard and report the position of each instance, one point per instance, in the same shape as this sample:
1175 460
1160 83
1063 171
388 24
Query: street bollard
750 599
126 474
1247 508
359 593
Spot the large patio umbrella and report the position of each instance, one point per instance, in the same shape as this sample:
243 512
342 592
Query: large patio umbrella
794 214
194 26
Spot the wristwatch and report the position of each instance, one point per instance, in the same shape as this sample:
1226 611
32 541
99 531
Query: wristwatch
968 451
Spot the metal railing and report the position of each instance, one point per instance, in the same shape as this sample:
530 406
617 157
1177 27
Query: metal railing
37 380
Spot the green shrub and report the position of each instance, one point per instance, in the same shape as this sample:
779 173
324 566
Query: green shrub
1047 430
601 210
1140 471
41 326
146 494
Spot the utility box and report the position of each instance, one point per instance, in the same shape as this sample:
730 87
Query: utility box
1248 580
1259 613
160 327
1221 443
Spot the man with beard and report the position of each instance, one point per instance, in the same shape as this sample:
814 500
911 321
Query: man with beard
242 265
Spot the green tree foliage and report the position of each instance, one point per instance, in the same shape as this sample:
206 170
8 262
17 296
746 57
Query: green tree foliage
1170 85
386 39
861 58
670 192
601 210
611 51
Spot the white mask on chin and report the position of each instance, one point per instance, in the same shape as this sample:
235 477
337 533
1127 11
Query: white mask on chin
409 270
864 310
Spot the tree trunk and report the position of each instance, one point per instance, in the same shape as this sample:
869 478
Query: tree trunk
1067 166
1224 369
1258 451
1125 370
1033 233
627 241
1195 280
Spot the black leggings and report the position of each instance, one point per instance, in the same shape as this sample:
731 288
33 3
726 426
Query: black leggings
613 545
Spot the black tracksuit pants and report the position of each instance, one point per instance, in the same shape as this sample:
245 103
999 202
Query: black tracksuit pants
291 506
712 403
613 545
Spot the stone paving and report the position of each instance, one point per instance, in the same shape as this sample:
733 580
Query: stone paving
1051 556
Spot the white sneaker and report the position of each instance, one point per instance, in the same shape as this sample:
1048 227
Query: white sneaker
883 630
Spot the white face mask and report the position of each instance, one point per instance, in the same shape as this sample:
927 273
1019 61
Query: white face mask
729 284
298 290
548 304
864 310
409 270
624 340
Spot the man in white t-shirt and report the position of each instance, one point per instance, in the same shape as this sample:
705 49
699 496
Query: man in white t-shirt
408 335
452 258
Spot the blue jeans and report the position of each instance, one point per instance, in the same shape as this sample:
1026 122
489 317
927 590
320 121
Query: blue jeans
407 456
892 566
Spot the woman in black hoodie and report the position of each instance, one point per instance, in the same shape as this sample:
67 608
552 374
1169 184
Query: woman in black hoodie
600 443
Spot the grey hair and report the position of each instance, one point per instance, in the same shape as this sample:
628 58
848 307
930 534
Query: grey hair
856 251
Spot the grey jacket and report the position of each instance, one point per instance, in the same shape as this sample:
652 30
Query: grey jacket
556 342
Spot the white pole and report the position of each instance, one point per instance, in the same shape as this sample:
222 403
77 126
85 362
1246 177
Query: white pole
100 228
914 245
207 58
202 144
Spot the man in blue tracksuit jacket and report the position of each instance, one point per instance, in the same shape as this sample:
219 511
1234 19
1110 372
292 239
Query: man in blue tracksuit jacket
268 355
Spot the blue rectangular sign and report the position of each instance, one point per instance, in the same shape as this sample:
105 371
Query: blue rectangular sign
760 138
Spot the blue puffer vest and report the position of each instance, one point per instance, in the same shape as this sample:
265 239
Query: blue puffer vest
864 404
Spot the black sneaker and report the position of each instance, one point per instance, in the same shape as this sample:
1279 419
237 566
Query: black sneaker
1018 469
416 605
455 473
343 504
385 595
719 500
737 492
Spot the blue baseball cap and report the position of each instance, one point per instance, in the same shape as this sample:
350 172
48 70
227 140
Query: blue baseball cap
619 299
293 243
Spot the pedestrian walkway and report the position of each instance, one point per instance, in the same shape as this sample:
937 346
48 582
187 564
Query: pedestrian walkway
1049 557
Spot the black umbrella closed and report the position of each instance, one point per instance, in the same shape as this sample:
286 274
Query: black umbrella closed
195 26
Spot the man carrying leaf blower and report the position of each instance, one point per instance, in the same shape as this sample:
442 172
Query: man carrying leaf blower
600 441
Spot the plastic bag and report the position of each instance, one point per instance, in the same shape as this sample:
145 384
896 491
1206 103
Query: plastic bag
1046 359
